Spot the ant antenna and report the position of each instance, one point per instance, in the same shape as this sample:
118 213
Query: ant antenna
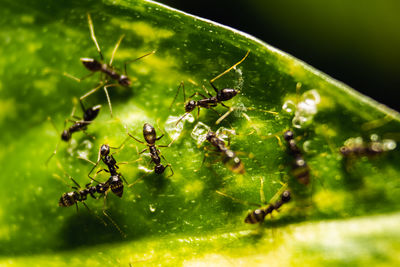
228 70
90 22
133 60
116 48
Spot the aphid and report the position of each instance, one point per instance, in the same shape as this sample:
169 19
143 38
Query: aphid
210 101
150 136
79 124
300 169
80 195
108 70
258 215
229 158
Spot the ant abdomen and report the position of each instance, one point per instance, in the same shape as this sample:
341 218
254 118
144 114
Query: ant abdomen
68 199
232 162
227 94
116 185
149 133
256 216
91 64
91 113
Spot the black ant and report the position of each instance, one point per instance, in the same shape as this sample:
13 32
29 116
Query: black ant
149 134
258 215
300 169
356 147
211 101
79 124
114 183
229 157
94 66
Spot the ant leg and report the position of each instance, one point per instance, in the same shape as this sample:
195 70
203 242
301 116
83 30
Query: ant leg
122 145
137 140
238 200
182 84
181 118
116 48
228 70
76 78
208 93
90 22
105 224
91 92
58 143
144 150
108 97
111 220
224 116
262 195
172 171
133 60
123 178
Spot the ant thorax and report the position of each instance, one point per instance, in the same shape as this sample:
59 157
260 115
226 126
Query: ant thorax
190 106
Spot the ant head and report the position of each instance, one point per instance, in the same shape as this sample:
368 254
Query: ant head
159 169
189 106
91 113
288 135
226 94
104 150
66 135
116 185
210 135
149 133
91 64
124 80
285 196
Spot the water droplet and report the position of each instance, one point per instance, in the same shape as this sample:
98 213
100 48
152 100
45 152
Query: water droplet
307 108
311 96
389 144
173 129
374 137
199 132
152 208
289 106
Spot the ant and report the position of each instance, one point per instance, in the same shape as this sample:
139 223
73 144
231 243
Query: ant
79 124
114 183
300 168
94 66
211 101
258 215
229 157
150 136
202 132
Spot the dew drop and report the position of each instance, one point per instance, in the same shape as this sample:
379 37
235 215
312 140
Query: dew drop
289 106
152 208
389 144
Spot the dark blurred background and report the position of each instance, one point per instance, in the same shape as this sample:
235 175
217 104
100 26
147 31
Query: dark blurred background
356 42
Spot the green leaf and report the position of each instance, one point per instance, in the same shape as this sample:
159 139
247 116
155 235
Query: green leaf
346 215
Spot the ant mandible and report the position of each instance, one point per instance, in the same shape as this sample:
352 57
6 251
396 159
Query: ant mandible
211 101
94 66
150 136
